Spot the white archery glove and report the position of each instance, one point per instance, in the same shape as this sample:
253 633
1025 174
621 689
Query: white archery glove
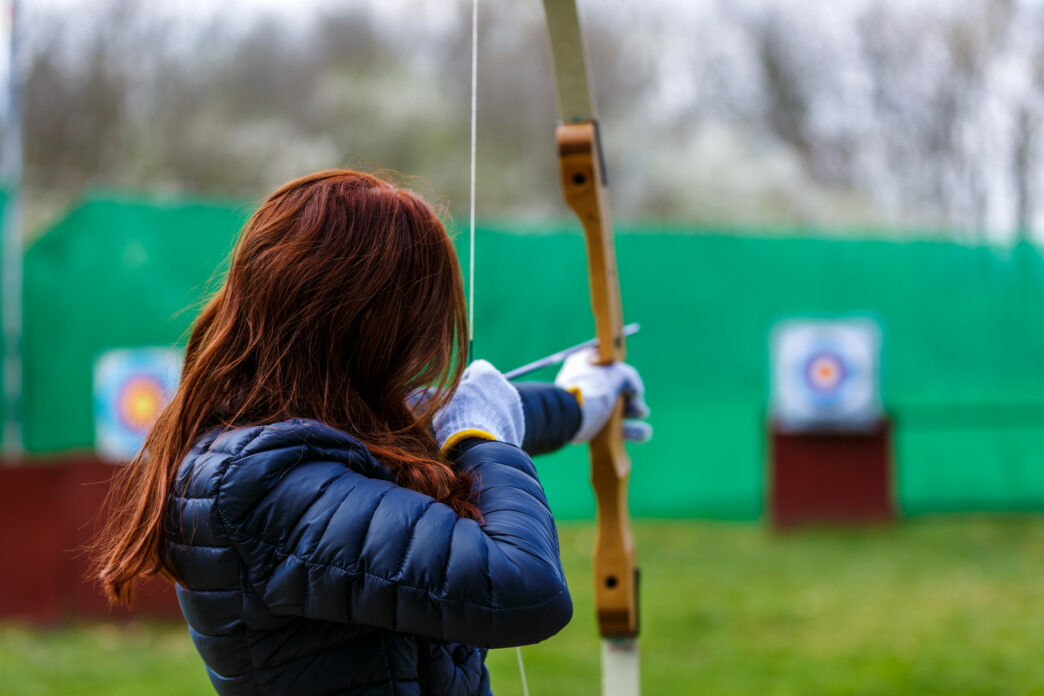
598 388
485 406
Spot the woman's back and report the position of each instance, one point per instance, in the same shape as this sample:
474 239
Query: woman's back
305 569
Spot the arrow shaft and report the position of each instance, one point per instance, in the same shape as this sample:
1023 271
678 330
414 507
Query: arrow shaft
556 358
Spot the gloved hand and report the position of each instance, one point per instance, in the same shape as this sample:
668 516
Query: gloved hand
598 387
485 405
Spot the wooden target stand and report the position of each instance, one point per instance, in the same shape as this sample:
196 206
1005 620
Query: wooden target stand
831 477
49 512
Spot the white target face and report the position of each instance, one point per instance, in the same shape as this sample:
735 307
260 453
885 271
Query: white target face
825 374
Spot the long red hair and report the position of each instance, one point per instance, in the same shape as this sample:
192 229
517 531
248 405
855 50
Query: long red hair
343 298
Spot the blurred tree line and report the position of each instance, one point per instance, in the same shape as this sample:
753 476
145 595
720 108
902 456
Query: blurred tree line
894 114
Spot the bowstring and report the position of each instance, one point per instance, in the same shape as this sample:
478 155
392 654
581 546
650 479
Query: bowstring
522 671
471 238
471 188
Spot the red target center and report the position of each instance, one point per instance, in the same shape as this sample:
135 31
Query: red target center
825 372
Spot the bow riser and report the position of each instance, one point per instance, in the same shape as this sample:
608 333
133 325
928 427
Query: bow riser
615 561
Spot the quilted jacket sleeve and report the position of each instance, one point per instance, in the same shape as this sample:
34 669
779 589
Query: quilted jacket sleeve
321 540
552 416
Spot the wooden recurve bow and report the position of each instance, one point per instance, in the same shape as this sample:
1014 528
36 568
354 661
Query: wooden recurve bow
584 184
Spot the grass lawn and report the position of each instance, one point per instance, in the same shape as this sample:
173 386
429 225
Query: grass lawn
940 606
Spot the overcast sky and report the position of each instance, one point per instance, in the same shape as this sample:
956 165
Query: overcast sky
705 104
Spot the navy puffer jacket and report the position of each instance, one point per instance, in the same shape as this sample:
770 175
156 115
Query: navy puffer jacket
306 570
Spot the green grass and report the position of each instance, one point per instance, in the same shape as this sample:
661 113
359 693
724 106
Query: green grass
942 606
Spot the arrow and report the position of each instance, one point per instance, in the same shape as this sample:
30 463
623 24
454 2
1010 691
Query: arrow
556 358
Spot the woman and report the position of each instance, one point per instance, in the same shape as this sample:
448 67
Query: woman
343 507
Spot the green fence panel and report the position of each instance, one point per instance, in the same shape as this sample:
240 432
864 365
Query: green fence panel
963 339
3 338
112 273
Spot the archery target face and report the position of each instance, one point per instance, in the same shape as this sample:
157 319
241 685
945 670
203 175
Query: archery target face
825 373
131 388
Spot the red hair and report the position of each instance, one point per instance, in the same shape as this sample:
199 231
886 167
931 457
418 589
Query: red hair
343 298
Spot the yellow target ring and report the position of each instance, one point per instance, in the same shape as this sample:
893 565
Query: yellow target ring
140 402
